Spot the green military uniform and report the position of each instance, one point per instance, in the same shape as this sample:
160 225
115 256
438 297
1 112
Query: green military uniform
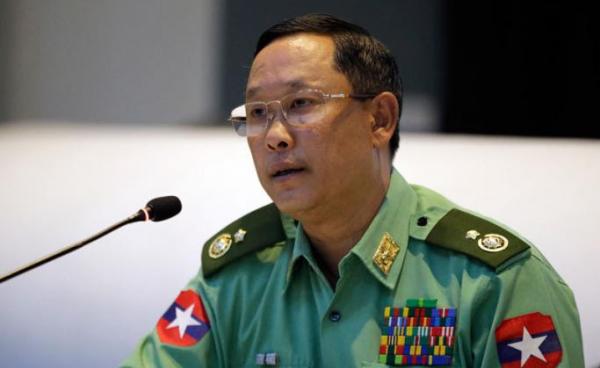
427 284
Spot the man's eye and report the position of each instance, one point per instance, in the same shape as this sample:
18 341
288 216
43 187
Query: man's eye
257 112
300 103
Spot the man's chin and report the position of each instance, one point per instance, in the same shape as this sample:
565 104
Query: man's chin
292 204
288 207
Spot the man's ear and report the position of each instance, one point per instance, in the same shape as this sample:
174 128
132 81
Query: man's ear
385 110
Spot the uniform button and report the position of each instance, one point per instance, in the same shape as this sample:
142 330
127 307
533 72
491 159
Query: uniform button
422 221
335 316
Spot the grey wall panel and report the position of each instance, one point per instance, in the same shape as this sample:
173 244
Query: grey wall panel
135 61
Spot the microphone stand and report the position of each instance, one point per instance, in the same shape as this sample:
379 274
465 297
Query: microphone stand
139 216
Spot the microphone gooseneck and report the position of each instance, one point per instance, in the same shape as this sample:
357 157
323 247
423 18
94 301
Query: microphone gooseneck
158 209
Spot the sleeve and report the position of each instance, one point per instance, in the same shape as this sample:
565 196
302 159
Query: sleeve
182 337
528 319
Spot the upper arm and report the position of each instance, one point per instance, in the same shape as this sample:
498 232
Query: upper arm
533 308
183 336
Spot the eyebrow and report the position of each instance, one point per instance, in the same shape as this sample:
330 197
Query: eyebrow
291 85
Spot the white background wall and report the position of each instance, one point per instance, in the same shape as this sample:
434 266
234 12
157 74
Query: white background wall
62 183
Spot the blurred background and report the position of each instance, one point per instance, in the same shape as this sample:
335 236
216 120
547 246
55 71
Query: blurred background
106 104
494 67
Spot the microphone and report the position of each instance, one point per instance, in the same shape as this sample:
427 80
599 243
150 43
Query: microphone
158 209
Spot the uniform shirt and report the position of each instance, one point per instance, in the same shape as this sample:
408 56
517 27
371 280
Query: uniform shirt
443 299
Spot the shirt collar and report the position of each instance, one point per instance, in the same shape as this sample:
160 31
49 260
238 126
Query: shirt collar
301 249
392 218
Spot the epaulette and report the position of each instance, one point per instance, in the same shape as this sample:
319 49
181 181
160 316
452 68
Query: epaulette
252 232
474 236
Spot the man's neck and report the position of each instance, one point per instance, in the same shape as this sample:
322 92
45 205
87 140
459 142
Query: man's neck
335 230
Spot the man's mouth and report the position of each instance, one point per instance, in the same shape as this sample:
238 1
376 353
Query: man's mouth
286 172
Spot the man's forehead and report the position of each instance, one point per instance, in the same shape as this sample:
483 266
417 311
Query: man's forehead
292 62
292 85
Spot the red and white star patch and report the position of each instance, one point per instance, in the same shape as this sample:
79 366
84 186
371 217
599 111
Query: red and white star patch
185 322
528 341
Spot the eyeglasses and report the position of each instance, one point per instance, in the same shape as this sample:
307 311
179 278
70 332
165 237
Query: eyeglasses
300 108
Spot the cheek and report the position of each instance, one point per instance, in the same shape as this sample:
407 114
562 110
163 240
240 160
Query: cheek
255 150
252 147
315 146
349 139
327 153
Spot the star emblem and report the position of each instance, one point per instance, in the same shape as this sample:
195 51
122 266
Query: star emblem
472 234
183 319
239 235
529 346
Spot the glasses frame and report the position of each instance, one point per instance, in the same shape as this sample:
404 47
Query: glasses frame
238 115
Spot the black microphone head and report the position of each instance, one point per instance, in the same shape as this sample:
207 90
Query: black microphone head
163 208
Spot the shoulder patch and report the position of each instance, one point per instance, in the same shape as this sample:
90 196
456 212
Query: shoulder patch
476 237
252 232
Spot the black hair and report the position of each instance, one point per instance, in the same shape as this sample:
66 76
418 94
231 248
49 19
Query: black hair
366 62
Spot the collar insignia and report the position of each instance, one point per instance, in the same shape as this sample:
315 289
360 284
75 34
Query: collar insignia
386 253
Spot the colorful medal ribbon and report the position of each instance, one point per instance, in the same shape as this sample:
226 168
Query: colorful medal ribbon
418 334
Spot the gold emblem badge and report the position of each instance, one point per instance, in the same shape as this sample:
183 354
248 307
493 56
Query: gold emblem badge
239 235
220 246
493 243
386 253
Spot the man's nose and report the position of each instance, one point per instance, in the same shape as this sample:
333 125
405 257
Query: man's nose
278 136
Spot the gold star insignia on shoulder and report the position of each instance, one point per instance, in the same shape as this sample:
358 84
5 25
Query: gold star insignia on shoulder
472 234
239 235
386 253
220 246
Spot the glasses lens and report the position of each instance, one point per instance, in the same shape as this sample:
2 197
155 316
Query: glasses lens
256 117
238 120
300 108
239 126
303 107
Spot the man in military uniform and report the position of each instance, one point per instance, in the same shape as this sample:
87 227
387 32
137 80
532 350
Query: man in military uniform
351 266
